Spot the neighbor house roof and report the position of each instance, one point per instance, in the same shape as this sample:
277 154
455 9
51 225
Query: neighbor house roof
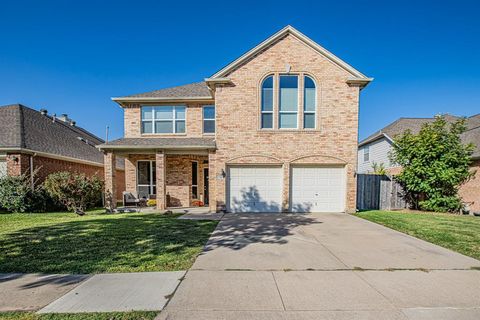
472 135
160 143
24 129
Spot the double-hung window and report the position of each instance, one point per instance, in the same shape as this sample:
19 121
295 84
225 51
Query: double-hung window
208 119
163 119
366 154
288 102
309 103
267 103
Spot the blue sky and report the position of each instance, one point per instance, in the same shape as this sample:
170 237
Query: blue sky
71 57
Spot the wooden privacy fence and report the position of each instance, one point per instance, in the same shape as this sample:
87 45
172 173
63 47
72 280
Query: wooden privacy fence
379 192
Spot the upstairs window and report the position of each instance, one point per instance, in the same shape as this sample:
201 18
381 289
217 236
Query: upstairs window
209 119
267 103
288 102
309 103
163 119
366 154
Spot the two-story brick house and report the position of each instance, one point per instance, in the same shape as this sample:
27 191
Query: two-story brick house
275 130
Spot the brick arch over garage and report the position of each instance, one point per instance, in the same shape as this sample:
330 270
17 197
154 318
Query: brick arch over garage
254 159
318 159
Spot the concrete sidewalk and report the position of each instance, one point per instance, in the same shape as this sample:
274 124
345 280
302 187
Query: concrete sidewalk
27 292
142 291
325 266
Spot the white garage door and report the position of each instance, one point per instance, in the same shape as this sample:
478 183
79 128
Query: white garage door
318 189
254 189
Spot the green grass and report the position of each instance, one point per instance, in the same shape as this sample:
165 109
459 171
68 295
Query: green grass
95 243
455 232
143 315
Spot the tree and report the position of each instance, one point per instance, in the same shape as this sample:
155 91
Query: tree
435 163
75 191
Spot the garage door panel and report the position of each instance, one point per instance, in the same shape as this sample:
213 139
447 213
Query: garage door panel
318 189
255 189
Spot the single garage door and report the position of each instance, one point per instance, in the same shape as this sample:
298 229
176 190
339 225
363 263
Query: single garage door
318 189
254 189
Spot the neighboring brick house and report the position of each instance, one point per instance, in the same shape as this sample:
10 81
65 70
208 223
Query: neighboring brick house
33 140
376 149
275 130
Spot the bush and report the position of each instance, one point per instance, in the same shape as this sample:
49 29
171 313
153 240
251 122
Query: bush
17 195
435 164
76 192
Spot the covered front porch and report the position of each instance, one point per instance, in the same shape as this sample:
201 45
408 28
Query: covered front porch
164 172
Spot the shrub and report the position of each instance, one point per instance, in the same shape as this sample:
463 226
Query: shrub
76 192
379 168
17 195
435 163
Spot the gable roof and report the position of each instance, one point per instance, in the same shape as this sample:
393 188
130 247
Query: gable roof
26 129
357 75
472 135
192 91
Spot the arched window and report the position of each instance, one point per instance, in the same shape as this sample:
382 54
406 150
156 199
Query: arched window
267 103
309 103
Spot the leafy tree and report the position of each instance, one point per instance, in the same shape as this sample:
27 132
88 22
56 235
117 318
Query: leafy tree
76 191
435 163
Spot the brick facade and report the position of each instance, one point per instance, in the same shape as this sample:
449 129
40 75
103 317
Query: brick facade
334 141
239 138
18 163
470 191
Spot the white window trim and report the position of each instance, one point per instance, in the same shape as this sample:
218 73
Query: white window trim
153 183
209 119
195 185
298 101
174 120
314 112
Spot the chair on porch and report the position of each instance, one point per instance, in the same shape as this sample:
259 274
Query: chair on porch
129 199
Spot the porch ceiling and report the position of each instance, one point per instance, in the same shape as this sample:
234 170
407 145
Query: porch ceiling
159 143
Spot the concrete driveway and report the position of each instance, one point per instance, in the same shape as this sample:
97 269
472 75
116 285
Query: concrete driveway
323 266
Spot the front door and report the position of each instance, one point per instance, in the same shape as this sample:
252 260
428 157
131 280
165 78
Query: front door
205 186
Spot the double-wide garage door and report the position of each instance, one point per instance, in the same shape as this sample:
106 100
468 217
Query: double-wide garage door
312 189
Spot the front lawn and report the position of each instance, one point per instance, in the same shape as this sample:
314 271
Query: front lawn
455 232
134 315
67 243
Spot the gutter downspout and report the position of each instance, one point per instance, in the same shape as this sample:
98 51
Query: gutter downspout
32 181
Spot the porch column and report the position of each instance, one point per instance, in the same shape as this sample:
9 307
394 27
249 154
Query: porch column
160 163
110 176
212 179
286 187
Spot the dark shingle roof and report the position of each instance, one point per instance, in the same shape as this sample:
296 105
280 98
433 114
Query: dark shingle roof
25 128
473 136
173 143
197 89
